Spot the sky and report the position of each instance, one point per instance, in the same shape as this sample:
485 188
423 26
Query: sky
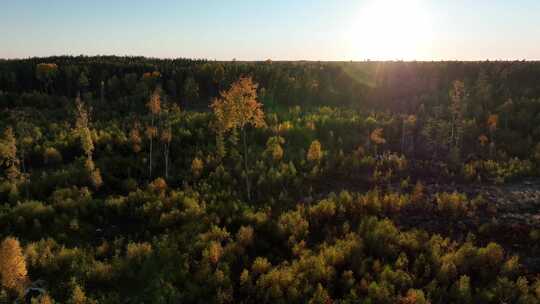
274 29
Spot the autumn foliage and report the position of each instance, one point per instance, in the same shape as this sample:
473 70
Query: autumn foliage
13 271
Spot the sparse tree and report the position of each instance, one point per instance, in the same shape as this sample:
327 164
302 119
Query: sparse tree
457 97
166 135
409 122
237 109
82 129
492 123
154 108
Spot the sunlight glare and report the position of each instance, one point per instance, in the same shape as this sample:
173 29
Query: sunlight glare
392 29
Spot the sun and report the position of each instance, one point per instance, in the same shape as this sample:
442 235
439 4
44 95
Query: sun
392 29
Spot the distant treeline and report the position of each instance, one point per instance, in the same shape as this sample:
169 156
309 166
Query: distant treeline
393 86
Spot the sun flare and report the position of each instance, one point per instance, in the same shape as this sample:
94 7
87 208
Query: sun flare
392 29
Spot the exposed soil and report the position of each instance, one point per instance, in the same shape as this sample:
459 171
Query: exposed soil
512 211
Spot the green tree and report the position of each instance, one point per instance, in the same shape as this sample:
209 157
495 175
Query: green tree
82 129
190 90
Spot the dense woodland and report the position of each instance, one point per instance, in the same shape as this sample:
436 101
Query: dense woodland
140 180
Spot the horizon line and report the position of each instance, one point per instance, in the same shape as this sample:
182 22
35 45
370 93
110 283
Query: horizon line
276 60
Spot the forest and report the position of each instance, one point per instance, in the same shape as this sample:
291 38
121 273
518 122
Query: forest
145 180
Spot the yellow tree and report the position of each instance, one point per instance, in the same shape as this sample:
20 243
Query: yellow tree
154 107
236 109
492 122
78 296
197 167
12 265
8 156
83 131
315 152
370 123
377 137
274 149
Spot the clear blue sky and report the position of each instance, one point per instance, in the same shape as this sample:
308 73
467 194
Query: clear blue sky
277 29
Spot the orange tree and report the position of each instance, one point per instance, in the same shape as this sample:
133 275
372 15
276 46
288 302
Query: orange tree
236 109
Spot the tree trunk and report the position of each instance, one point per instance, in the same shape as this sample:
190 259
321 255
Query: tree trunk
150 160
27 182
246 164
166 161
151 144
403 137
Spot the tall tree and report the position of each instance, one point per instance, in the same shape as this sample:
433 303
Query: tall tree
457 97
407 131
236 109
154 108
82 128
166 138
492 123
12 265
